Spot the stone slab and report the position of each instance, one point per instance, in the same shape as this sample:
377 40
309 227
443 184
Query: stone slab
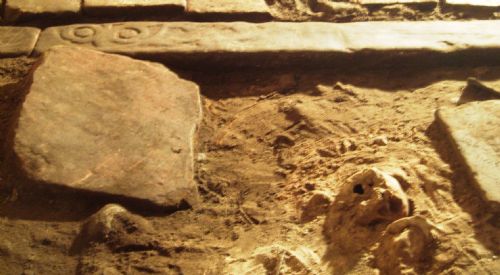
122 7
474 3
251 10
282 43
26 9
474 131
110 125
17 41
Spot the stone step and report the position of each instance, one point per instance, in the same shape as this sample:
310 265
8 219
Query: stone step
276 44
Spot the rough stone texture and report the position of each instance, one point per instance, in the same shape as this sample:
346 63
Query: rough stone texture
478 91
474 130
16 41
229 9
304 44
393 2
22 9
122 7
474 3
111 125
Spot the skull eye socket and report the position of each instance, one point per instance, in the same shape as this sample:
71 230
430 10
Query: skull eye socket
358 189
395 205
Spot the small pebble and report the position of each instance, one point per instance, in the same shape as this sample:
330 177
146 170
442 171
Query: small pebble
381 141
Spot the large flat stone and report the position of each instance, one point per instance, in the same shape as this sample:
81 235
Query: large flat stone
24 9
17 41
474 130
251 10
122 7
111 125
279 43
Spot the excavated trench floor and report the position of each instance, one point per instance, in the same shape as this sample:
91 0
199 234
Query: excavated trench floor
269 141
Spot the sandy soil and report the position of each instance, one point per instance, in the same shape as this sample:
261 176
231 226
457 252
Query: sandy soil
269 142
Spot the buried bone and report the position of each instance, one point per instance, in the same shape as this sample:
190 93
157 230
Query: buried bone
405 247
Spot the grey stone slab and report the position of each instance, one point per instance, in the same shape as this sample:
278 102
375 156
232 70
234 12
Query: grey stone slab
26 9
110 125
474 131
279 43
123 7
17 41
251 10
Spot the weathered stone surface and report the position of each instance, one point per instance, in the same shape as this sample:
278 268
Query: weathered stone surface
474 130
304 44
476 90
422 37
111 125
229 9
393 2
121 7
16 41
20 9
474 3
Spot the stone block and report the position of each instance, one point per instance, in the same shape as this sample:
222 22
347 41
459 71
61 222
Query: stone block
275 44
109 125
